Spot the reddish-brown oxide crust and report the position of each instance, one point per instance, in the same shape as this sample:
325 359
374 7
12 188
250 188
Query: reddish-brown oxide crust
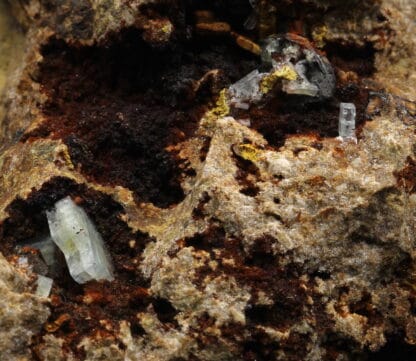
118 107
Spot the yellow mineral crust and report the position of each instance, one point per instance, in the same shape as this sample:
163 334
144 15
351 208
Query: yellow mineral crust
221 108
319 34
247 152
285 72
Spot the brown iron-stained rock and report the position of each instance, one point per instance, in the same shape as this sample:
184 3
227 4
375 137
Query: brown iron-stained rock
235 234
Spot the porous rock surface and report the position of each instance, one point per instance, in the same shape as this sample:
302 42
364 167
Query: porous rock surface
235 235
22 314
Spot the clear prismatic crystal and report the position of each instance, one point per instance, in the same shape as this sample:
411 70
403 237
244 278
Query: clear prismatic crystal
76 236
346 128
44 286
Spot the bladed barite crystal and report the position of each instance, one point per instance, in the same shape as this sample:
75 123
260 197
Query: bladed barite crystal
76 236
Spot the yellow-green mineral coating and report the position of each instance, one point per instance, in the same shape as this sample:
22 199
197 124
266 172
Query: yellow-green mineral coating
247 151
269 81
221 108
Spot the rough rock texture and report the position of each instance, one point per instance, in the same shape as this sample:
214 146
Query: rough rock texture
11 48
235 234
11 37
21 315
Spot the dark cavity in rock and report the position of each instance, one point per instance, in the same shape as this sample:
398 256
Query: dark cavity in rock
119 106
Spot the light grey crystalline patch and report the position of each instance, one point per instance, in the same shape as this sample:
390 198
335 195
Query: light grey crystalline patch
251 21
76 236
301 86
246 90
44 286
47 248
271 45
49 252
321 73
246 122
346 127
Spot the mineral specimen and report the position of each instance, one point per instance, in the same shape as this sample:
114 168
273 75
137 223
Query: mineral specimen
76 236
292 60
268 242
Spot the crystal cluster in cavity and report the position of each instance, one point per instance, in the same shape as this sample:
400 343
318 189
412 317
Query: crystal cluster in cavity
346 127
76 236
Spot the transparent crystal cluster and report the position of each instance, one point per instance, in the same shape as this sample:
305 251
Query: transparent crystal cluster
294 63
76 236
346 127
315 75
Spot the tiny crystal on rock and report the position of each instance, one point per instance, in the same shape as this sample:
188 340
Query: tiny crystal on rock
44 286
47 249
23 262
346 126
76 236
246 90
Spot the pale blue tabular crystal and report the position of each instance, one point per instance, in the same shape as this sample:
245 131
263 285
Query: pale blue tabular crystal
76 236
44 286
